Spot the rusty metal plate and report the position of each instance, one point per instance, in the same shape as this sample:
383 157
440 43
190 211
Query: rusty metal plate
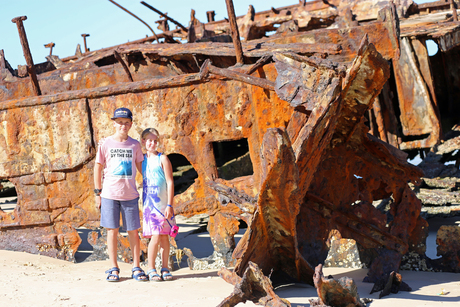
45 138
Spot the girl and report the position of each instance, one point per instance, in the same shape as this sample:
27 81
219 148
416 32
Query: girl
158 198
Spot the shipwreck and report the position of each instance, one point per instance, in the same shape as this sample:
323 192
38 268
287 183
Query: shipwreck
329 98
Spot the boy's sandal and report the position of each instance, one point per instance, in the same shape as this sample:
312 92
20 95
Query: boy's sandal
153 275
139 275
116 277
165 274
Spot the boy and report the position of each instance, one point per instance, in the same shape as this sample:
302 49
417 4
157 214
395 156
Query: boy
119 157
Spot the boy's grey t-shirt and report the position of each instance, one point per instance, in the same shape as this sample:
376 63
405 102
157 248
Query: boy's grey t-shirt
119 160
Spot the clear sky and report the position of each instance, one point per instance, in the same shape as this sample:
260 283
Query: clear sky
63 22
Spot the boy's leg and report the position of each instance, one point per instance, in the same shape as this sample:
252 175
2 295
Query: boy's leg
112 244
110 220
131 222
134 244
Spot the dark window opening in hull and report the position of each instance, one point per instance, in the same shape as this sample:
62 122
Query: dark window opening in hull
232 159
8 196
183 172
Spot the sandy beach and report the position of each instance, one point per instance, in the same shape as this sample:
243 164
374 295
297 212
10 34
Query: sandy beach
34 280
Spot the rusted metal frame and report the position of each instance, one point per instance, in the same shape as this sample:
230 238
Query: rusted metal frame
165 16
368 55
328 48
210 15
371 116
405 42
262 15
5 68
316 62
242 201
260 63
272 227
387 100
50 45
393 157
413 125
125 67
367 230
84 35
27 54
139 41
389 17
316 135
424 66
138 86
263 83
252 286
454 10
154 34
379 119
309 145
235 32
217 49
98 92
384 35
2 60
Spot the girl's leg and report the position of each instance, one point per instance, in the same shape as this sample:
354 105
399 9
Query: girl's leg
164 243
152 253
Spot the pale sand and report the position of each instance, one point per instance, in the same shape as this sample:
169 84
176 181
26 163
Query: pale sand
33 280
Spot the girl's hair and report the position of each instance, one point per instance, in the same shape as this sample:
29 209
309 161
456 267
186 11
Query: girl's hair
149 130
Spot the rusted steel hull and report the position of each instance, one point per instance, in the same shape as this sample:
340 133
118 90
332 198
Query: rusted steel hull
52 172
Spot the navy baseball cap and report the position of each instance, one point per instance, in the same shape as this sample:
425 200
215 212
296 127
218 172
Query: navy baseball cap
122 113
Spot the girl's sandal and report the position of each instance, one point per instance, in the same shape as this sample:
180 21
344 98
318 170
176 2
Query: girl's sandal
165 274
153 275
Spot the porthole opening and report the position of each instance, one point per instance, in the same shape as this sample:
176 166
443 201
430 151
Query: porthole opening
233 159
183 172
8 196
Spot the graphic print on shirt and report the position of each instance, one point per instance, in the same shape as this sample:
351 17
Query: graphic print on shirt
122 163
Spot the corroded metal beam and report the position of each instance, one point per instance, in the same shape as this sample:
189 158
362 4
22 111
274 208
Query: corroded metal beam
27 54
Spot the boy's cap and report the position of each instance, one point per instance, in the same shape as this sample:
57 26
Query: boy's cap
122 113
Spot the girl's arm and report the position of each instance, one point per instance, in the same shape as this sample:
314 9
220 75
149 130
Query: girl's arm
167 168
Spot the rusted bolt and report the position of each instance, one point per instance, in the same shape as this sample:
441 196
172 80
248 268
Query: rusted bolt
84 41
50 45
27 55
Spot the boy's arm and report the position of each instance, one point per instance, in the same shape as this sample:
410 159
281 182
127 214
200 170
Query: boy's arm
98 181
167 168
139 167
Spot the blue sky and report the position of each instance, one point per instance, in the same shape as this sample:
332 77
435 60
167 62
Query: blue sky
63 22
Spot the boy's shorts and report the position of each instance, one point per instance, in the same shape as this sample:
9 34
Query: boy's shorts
110 214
